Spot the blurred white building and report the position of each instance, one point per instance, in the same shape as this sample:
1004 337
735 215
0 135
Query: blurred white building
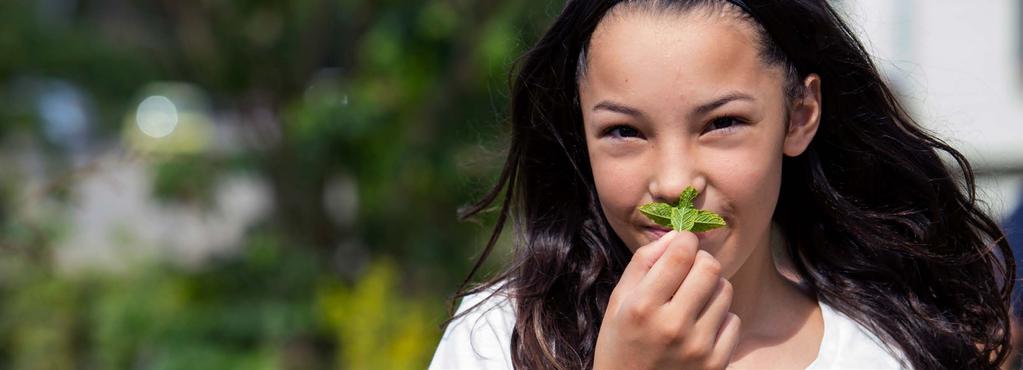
957 65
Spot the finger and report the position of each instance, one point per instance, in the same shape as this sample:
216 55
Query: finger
664 278
641 261
699 286
714 314
727 339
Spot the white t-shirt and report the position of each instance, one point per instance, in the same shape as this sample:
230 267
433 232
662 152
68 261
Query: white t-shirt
481 340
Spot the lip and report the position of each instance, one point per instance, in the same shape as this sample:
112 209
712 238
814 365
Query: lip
655 232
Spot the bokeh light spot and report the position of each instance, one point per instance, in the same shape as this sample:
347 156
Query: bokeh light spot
157 116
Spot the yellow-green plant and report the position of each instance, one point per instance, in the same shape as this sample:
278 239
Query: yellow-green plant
376 326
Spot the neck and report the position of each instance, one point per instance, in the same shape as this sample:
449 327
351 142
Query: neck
769 304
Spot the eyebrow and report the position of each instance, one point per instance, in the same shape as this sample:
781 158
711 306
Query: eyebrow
700 110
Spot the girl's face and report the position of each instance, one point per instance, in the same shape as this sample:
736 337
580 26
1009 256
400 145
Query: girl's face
673 100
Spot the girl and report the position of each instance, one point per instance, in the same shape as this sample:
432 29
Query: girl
849 243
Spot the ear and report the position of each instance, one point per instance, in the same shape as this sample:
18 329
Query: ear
804 117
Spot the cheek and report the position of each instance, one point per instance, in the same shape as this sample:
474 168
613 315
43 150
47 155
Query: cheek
747 182
616 185
751 180
620 186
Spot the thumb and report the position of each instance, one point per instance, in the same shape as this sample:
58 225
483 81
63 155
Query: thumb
642 260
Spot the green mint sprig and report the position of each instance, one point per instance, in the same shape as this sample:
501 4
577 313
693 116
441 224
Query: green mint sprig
684 216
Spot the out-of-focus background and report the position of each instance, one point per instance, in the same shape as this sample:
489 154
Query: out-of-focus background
256 184
244 184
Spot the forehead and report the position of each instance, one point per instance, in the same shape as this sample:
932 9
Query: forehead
686 53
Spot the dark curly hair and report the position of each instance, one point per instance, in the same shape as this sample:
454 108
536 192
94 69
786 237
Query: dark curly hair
877 224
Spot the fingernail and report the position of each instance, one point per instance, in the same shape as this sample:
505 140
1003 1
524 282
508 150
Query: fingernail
669 235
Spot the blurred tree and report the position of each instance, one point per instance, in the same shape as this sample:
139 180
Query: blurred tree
399 105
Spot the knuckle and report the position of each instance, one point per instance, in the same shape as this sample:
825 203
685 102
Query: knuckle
709 264
726 287
637 312
725 294
668 333
733 323
695 351
715 363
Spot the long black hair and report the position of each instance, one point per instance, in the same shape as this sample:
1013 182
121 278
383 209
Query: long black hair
877 224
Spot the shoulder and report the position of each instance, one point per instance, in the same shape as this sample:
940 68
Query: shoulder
849 345
480 335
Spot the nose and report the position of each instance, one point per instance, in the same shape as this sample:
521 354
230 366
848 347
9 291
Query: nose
673 173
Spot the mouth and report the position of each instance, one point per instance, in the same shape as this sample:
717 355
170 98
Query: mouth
655 232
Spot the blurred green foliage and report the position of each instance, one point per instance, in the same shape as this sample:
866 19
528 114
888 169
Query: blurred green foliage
404 100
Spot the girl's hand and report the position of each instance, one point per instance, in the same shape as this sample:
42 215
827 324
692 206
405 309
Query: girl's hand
669 310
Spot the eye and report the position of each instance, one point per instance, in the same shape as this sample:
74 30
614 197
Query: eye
725 124
621 132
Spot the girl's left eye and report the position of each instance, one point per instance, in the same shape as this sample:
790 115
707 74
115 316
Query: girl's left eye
725 124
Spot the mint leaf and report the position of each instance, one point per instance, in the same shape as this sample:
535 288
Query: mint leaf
684 216
686 199
676 219
706 220
658 212
688 217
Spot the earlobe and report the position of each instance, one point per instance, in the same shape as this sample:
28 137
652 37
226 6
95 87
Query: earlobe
804 117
